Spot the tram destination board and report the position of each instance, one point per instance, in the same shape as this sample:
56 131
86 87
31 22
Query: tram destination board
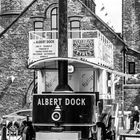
70 108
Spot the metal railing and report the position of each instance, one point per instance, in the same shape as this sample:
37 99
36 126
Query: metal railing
89 44
71 34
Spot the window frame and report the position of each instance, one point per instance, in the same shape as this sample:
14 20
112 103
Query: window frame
57 22
38 28
131 65
74 28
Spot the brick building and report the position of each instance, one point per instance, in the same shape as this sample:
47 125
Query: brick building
41 15
131 35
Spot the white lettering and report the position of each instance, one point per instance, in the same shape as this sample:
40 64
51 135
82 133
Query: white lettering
39 102
58 101
46 101
55 101
49 101
74 101
42 101
78 101
83 102
67 101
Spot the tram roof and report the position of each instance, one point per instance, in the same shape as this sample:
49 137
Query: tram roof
51 64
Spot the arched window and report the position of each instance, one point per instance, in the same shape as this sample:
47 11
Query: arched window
75 27
54 22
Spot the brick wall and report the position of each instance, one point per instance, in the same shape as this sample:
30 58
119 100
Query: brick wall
131 23
131 34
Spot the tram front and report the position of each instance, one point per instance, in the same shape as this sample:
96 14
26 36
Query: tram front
72 91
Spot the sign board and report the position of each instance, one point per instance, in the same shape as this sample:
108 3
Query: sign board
42 48
92 46
76 108
83 47
98 50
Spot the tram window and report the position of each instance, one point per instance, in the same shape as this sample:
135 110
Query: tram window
51 81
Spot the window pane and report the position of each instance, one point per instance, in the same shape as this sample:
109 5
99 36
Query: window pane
54 11
54 25
75 34
75 24
38 24
38 29
54 22
131 67
55 35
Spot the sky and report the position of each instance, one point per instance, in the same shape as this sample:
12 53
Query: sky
110 11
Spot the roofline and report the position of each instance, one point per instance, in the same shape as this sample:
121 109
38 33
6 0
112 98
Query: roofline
33 64
138 52
109 28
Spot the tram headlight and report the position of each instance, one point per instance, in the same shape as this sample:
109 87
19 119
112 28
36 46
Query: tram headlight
56 115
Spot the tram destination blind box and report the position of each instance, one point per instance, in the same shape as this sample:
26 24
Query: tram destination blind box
65 108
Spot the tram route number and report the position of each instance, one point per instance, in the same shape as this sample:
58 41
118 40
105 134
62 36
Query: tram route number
61 101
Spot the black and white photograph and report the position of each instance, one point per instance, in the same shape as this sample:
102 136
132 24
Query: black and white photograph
69 69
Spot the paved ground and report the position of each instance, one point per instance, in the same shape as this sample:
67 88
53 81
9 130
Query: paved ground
132 133
122 131
12 138
18 138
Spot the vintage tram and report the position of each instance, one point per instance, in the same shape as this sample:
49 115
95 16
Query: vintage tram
75 84
71 108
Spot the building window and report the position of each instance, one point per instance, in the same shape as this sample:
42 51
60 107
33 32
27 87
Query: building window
131 67
75 27
38 25
54 22
108 83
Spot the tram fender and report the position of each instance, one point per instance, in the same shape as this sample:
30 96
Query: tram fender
28 133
